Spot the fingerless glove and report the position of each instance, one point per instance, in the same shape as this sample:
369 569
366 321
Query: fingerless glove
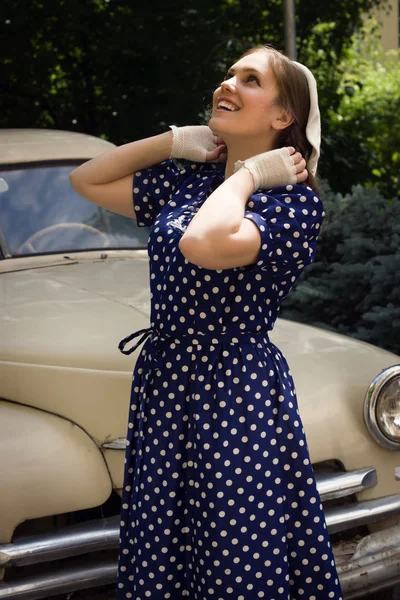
192 142
270 169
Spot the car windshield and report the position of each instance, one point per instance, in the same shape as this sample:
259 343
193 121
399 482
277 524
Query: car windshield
41 213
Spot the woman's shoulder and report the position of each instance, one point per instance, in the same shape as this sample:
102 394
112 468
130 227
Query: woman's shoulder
297 194
296 189
297 201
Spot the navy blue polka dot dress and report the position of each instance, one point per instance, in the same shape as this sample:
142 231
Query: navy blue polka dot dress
219 499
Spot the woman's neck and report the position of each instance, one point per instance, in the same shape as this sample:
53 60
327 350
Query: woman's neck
245 150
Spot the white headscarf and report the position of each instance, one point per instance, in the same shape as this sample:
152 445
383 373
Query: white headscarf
313 129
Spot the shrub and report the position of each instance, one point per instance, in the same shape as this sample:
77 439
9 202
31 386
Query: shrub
353 287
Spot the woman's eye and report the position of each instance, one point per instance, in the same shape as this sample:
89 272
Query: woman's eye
253 78
249 78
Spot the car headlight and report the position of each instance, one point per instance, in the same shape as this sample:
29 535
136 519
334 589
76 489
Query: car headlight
382 408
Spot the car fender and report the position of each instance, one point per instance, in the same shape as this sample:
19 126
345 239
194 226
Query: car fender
49 466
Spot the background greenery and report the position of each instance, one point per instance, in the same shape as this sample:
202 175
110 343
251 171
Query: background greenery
362 134
354 285
124 70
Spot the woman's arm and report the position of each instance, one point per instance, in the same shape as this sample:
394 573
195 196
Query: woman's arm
107 179
218 236
278 233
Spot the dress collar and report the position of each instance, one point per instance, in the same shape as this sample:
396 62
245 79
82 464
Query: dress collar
215 170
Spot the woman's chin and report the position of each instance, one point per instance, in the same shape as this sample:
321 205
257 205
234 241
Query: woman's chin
213 124
217 125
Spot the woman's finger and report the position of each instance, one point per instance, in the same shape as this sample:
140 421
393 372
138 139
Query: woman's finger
303 176
223 157
297 157
300 166
213 155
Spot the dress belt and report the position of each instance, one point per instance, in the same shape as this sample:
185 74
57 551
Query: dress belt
158 337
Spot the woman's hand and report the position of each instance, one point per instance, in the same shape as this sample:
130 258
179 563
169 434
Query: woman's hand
219 154
275 168
197 143
300 164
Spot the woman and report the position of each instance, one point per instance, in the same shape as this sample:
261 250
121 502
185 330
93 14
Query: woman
219 498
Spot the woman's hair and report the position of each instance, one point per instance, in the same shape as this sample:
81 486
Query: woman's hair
294 96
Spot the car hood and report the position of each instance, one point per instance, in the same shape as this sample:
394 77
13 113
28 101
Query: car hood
74 315
59 332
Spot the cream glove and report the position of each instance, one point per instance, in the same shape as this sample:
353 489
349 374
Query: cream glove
192 142
270 169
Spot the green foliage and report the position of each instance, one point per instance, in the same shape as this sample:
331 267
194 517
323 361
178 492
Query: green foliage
125 70
362 133
353 287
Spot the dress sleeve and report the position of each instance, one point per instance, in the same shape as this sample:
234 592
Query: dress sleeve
152 189
288 219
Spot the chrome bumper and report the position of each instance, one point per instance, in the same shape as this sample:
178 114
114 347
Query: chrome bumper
371 564
375 564
346 517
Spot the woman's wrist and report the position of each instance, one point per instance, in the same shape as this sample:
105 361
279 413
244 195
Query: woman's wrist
222 213
271 169
243 179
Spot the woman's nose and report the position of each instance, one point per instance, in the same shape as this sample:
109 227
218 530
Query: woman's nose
229 84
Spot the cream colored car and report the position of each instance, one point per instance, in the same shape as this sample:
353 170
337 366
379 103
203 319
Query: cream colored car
73 283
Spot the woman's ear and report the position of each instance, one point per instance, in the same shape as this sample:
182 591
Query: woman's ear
283 120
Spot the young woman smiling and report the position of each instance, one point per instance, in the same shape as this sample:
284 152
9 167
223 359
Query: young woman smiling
220 500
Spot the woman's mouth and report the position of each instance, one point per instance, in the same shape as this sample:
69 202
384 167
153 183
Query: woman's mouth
227 106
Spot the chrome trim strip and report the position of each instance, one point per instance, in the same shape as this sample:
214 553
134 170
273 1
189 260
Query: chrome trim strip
117 444
370 405
102 534
69 578
345 517
338 485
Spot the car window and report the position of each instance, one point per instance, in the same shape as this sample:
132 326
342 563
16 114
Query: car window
40 212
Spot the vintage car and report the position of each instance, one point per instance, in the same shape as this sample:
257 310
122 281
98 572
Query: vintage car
73 283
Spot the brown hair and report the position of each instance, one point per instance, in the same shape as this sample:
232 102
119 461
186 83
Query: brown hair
294 96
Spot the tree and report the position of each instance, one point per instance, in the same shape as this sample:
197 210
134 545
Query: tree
125 70
362 136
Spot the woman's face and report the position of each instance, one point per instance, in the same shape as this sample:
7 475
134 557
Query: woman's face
244 103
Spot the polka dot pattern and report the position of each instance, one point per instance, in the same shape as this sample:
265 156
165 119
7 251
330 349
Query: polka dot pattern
219 498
